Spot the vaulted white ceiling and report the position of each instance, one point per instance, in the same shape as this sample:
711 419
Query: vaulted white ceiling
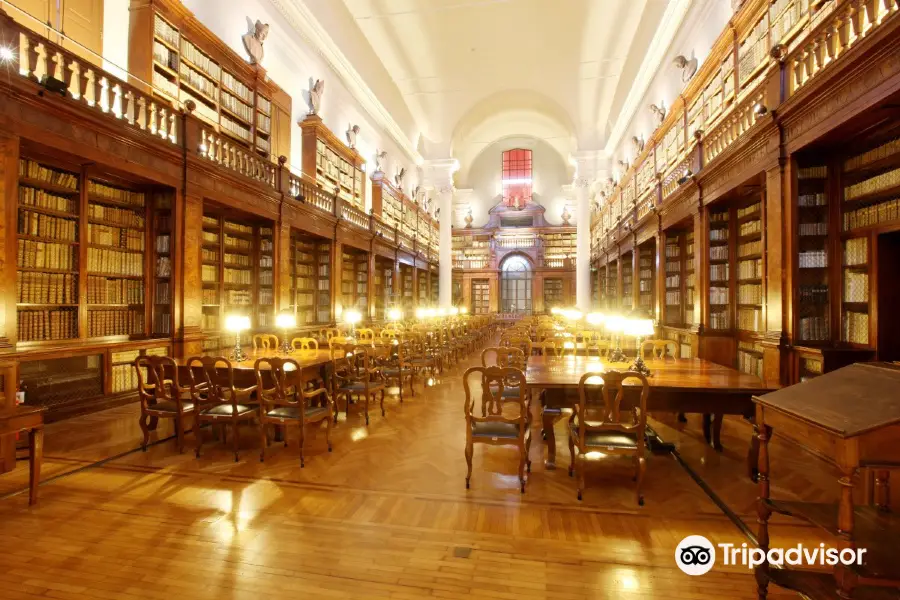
474 71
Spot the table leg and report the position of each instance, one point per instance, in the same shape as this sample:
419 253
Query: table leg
547 420
717 431
36 451
707 425
883 490
753 455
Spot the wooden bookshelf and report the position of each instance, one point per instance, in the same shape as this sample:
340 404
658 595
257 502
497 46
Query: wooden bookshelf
719 261
690 279
674 267
855 323
49 250
813 296
435 287
612 285
646 276
115 260
332 164
311 279
603 300
422 297
161 222
750 358
471 251
750 270
354 281
481 296
236 272
183 61
627 281
407 299
383 286
553 293
558 247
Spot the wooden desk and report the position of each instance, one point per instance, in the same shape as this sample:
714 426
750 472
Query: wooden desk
676 385
30 419
852 417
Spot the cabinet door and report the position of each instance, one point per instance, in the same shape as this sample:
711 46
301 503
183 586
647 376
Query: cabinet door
281 132
82 21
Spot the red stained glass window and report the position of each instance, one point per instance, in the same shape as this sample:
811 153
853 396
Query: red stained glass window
516 177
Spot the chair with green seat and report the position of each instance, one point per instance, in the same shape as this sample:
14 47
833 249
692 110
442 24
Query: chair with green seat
285 401
216 398
162 396
601 424
507 420
356 374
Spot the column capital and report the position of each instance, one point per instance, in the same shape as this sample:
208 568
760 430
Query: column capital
438 174
590 165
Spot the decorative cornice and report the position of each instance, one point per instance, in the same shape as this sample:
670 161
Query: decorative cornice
305 23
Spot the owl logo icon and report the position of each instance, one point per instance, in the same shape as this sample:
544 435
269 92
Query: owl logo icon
695 555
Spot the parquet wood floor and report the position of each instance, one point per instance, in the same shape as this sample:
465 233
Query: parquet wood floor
386 515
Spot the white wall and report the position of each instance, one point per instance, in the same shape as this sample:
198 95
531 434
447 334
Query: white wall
702 25
550 173
290 62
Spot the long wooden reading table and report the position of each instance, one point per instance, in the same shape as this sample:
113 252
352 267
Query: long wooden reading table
688 385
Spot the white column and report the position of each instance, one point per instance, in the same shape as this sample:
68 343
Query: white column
589 166
439 182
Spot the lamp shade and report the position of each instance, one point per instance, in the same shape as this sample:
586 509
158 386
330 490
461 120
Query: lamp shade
463 310
430 312
285 321
395 314
421 313
352 317
237 323
596 318
639 327
454 311
615 324
573 314
555 310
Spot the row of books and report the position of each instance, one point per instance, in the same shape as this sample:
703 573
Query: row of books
813 328
812 259
814 294
45 255
813 229
101 260
718 235
750 227
883 151
883 212
104 235
209 322
750 363
265 245
29 196
719 272
266 278
239 276
855 327
673 281
748 210
125 378
162 324
237 259
856 252
113 193
750 248
718 295
205 63
872 185
115 322
718 253
673 298
750 319
163 294
103 290
236 242
197 80
233 104
238 298
46 226
266 262
163 266
750 293
210 296
164 56
32 170
165 31
112 214
209 273
46 288
750 269
43 325
719 320
812 172
266 296
235 127
808 200
164 244
856 287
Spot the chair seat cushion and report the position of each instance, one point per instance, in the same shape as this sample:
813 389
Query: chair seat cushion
607 439
421 361
359 386
495 429
293 412
394 371
227 410
169 406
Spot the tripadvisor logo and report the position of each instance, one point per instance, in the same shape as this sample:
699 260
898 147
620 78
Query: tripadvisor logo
696 555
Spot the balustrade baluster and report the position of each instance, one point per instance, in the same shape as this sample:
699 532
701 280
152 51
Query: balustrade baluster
75 80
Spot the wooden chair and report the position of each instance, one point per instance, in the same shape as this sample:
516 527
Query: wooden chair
265 342
599 424
560 345
286 401
517 341
365 336
494 428
422 355
327 333
396 367
162 396
217 400
306 345
659 349
355 373
339 341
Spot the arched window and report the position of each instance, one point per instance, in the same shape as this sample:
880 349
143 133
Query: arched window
516 177
515 285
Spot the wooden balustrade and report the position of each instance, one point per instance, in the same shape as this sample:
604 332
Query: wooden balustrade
354 216
91 88
235 157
